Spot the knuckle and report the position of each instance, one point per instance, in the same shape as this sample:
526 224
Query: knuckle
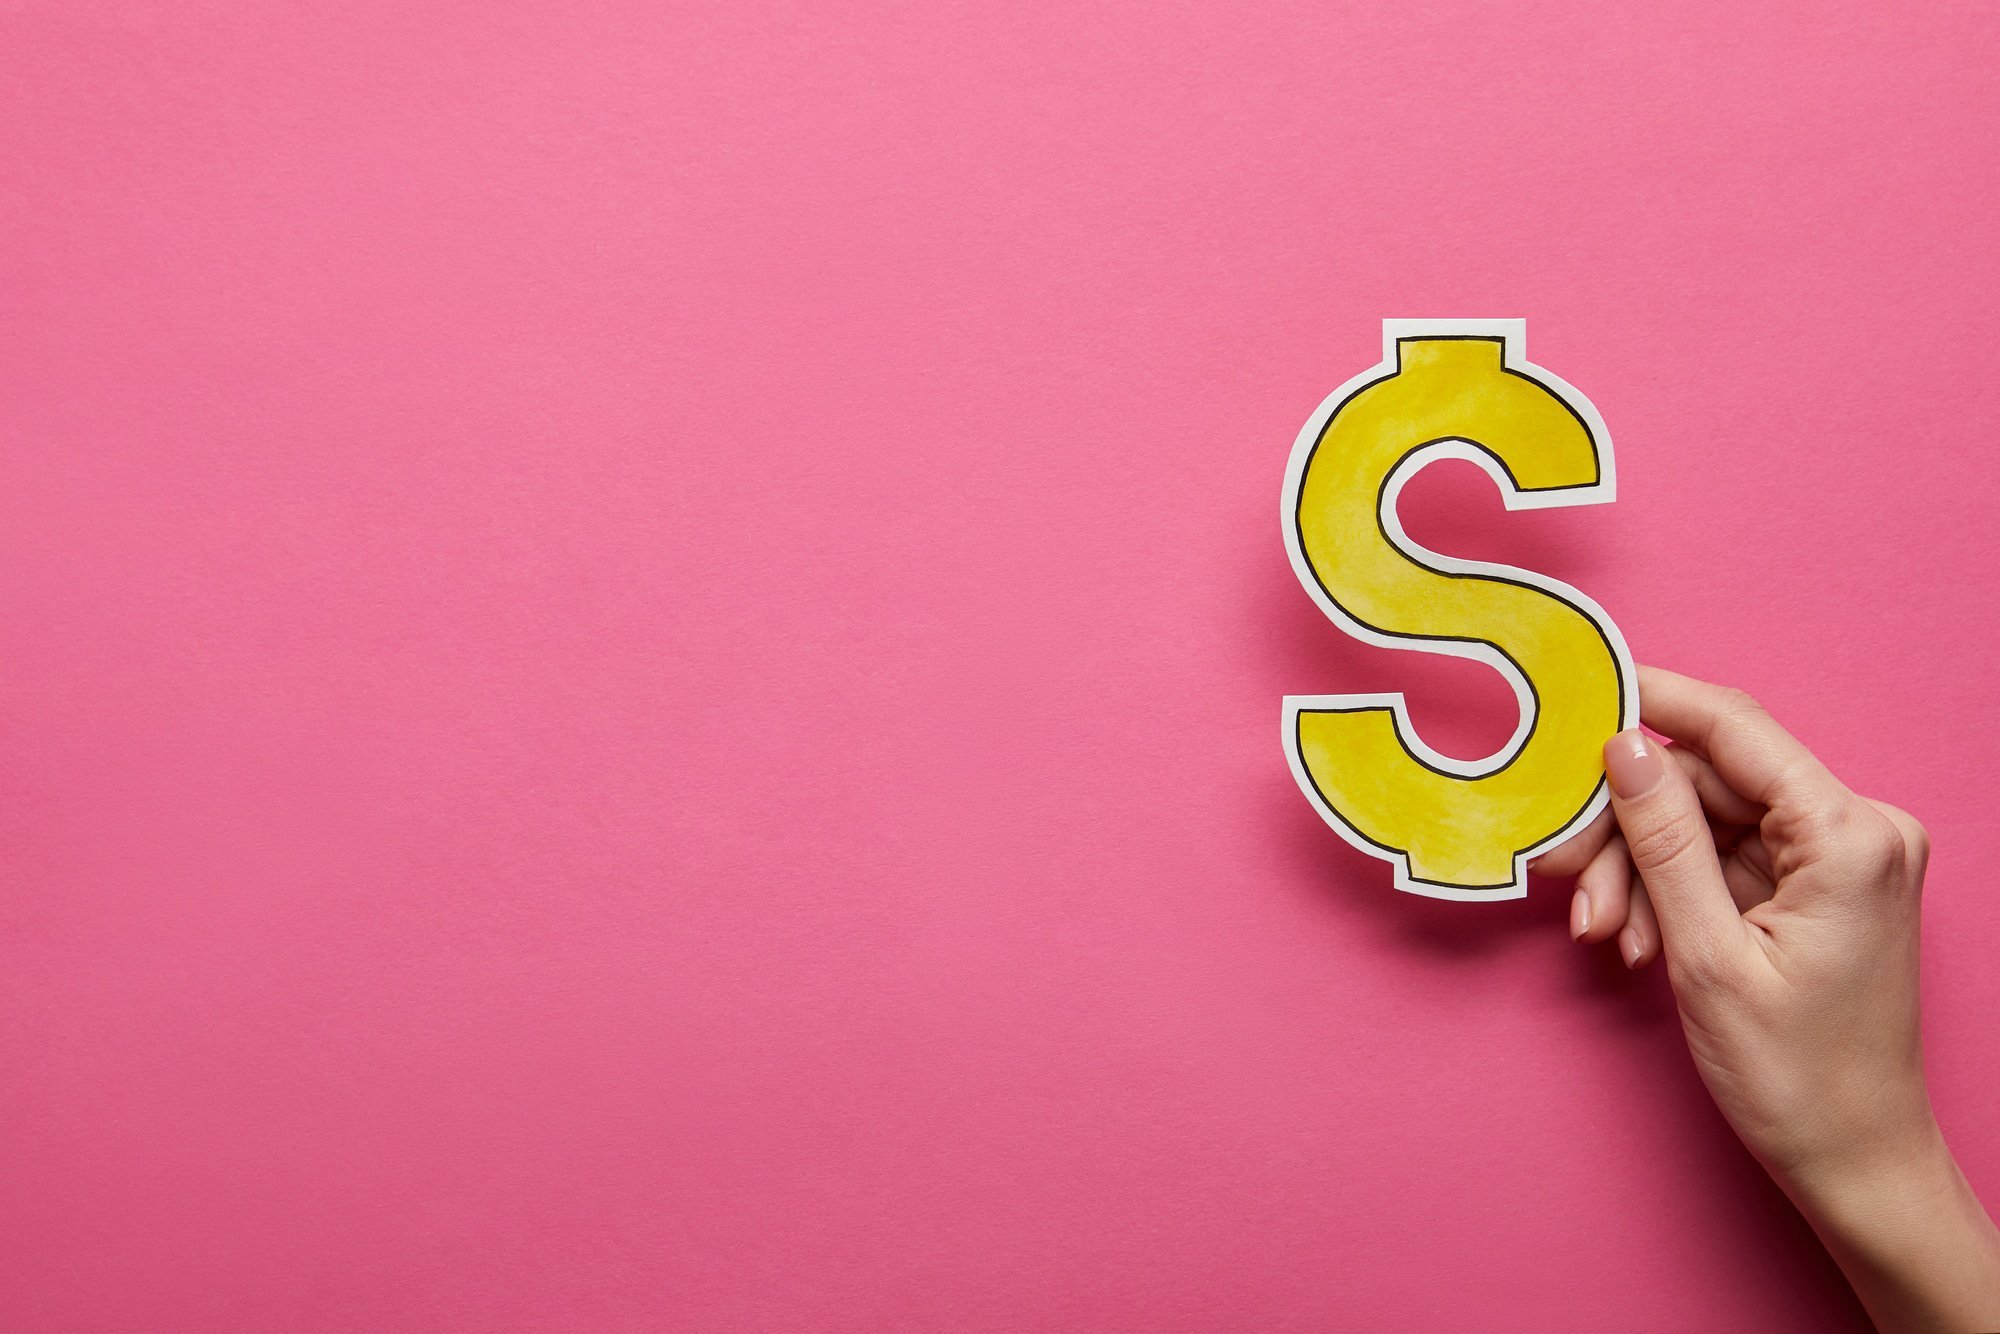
1737 718
1740 705
1660 843
1873 839
1822 829
1882 839
1920 844
1915 837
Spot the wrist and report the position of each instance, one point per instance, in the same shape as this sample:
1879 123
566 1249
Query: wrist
1874 1180
1907 1230
1850 1142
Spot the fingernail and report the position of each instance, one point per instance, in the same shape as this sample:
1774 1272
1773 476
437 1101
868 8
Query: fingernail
1631 944
1579 915
1633 764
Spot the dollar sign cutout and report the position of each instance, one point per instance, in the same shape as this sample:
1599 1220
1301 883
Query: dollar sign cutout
1454 829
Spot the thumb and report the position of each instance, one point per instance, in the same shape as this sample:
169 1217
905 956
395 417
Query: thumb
1671 848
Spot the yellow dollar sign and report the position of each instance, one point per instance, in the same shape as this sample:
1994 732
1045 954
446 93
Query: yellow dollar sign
1454 829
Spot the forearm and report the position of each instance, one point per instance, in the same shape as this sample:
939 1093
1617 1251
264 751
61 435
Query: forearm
1911 1237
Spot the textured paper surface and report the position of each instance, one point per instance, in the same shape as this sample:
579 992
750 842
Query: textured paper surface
639 647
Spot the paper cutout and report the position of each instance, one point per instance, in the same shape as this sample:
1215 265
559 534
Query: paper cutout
1454 829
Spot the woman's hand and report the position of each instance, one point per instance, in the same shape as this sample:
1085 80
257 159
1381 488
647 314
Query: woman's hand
1786 907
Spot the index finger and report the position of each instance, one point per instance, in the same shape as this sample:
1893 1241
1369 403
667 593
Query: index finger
1746 746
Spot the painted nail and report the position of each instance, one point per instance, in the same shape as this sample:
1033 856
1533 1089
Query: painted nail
1631 944
1633 763
1579 915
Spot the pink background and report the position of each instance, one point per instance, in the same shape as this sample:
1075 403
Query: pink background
643 649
